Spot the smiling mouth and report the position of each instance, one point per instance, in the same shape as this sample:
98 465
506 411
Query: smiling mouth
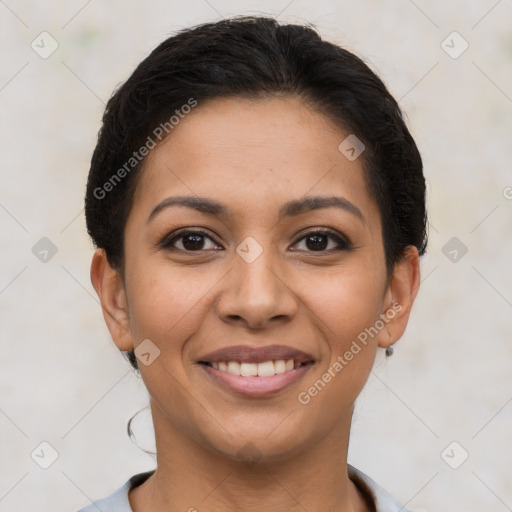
264 369
255 372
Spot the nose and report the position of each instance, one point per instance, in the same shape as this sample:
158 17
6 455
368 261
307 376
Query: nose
257 294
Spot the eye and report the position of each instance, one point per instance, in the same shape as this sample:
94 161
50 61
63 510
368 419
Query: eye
318 241
197 240
189 241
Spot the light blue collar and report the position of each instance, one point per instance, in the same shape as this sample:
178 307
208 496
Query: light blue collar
118 501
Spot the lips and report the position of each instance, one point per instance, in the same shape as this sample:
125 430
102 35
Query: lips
245 354
256 372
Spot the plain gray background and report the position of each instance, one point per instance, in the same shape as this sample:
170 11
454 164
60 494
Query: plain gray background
62 379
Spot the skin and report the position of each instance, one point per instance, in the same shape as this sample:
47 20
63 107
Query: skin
252 156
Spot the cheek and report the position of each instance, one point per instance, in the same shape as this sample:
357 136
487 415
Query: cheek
342 307
348 300
349 308
166 304
353 306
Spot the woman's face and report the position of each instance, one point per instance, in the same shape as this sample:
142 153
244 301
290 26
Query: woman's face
255 277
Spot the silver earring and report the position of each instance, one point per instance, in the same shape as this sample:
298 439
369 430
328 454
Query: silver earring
389 350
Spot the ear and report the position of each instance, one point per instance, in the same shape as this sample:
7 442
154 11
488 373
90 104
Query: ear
399 297
110 289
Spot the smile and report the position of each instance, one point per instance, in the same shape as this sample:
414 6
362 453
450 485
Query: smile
256 372
265 369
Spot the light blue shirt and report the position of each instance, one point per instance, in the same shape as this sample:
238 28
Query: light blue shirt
118 501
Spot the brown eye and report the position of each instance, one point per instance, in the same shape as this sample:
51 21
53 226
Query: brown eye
318 241
189 241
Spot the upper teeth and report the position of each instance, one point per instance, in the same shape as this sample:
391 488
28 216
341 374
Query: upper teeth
265 369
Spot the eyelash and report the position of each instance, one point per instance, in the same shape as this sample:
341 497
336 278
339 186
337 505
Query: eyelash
344 243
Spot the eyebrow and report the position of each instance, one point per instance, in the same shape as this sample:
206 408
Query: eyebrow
289 209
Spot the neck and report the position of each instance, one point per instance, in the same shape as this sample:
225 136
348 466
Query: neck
190 477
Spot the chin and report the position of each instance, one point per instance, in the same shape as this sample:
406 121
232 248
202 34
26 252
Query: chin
253 444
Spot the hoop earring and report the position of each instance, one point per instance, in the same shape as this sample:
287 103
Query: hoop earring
131 435
390 350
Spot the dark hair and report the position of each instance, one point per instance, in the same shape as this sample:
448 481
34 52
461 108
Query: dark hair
254 57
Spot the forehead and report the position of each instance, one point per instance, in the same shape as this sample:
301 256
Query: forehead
253 155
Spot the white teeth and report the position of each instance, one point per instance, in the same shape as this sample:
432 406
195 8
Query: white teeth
234 368
248 369
279 366
265 369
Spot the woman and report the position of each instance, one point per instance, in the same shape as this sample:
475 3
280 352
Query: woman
258 208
